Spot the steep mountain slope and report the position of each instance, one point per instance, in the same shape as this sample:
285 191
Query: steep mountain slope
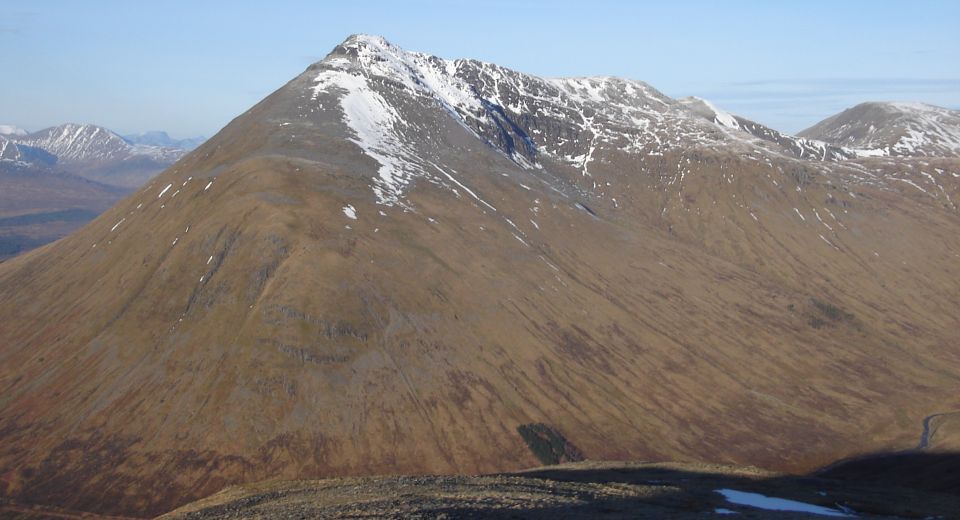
8 150
398 263
896 129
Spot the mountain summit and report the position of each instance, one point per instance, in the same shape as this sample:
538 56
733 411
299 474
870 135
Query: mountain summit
398 263
898 129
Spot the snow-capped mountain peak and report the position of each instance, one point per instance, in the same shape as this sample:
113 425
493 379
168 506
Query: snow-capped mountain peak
73 142
892 129
356 71
527 118
392 102
8 150
86 143
417 72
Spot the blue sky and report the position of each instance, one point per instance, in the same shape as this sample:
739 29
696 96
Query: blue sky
190 67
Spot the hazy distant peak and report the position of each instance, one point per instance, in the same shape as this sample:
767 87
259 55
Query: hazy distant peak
892 128
163 139
12 130
86 143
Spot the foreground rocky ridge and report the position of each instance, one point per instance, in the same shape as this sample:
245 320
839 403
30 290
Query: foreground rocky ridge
398 264
584 490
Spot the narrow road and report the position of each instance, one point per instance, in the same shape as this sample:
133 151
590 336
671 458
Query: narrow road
922 445
925 434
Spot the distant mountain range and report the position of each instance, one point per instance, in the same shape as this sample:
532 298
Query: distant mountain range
54 180
160 138
94 152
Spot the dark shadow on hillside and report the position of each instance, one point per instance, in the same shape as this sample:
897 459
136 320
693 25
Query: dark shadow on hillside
939 472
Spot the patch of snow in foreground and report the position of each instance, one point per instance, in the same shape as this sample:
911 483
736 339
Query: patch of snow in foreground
350 212
759 501
870 152
723 511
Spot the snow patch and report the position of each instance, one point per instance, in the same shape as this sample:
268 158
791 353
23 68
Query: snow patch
759 501
720 117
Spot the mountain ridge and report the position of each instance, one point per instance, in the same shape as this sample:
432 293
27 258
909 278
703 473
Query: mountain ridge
78 143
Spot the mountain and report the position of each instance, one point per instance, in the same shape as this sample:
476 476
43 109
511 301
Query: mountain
744 128
100 155
402 264
892 129
8 150
72 143
159 138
